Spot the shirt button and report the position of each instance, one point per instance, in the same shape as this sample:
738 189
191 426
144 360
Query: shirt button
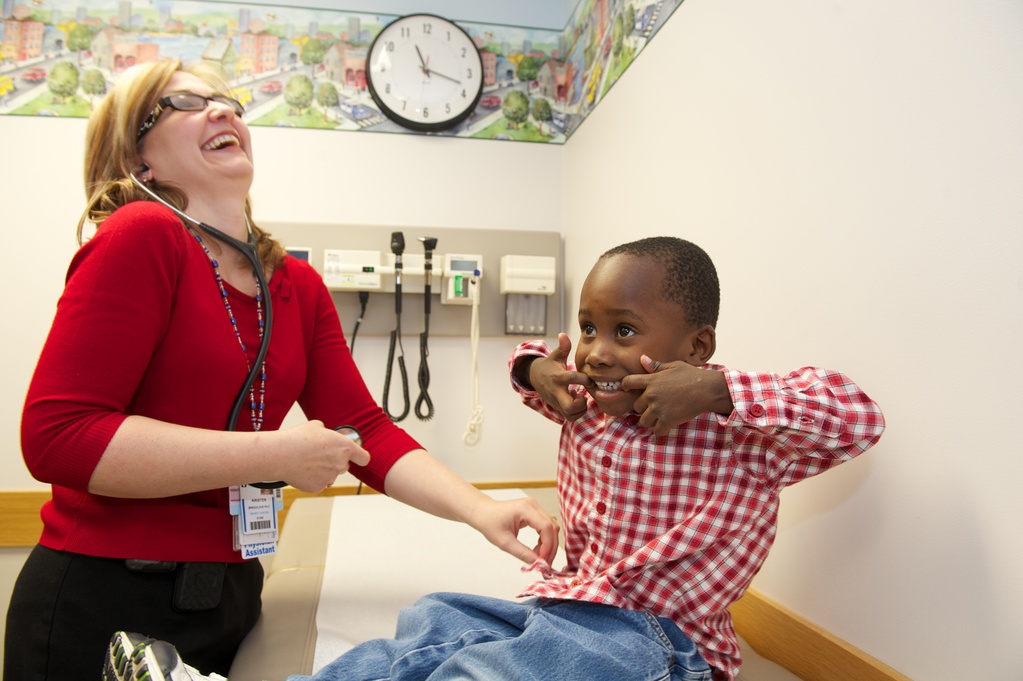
593 547
757 410
601 507
606 462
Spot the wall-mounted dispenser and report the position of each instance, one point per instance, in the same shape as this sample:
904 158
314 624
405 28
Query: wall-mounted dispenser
353 270
527 281
461 274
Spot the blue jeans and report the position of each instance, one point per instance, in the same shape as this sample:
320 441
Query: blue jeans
447 636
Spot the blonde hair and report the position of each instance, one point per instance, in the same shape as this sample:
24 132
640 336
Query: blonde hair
112 148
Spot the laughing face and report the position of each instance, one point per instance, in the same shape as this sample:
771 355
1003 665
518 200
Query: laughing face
622 316
206 150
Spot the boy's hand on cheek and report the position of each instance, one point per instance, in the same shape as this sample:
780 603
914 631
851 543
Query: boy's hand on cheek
551 378
676 392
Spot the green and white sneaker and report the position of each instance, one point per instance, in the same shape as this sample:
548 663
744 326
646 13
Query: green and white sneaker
133 657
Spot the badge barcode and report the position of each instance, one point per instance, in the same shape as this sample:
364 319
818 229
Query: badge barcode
261 524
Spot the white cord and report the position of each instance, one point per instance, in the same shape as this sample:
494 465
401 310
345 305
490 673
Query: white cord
472 435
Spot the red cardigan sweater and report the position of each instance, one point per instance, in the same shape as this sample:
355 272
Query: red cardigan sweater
141 329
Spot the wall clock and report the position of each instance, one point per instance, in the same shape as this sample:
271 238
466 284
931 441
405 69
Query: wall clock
425 72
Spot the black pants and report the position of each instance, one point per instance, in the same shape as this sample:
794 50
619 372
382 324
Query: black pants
65 607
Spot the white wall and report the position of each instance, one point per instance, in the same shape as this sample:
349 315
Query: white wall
854 168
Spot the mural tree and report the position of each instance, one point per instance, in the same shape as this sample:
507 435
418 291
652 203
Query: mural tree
312 55
617 35
327 97
542 112
516 107
298 93
93 83
527 69
79 39
63 80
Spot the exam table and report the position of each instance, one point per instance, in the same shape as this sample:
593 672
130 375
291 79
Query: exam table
346 565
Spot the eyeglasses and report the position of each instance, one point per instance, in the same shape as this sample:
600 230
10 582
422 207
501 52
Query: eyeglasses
186 101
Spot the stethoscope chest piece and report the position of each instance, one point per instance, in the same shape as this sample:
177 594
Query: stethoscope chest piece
351 433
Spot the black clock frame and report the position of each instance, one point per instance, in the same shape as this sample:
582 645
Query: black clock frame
418 126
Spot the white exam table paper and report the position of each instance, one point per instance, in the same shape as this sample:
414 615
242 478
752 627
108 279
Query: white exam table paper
383 555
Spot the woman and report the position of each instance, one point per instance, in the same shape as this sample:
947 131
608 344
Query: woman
126 415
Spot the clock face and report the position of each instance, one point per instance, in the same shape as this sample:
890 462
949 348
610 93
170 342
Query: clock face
425 72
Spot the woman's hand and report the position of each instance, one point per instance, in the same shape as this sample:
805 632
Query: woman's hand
419 480
313 456
500 522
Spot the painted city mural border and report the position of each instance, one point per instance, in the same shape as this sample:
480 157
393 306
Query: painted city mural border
305 68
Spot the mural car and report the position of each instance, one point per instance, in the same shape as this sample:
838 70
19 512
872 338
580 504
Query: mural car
34 75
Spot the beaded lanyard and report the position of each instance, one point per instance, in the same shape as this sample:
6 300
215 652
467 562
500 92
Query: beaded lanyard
257 416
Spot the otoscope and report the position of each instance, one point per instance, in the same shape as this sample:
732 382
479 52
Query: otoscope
247 249
397 247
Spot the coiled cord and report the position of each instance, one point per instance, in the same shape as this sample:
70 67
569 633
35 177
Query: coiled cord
396 340
475 430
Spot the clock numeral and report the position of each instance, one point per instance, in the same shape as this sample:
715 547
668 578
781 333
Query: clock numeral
406 32
464 52
390 46
463 94
387 88
468 73
404 104
427 29
447 107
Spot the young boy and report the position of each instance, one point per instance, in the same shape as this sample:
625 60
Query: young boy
669 473
670 468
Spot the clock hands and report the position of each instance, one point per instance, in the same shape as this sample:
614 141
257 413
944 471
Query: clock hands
424 66
422 62
435 73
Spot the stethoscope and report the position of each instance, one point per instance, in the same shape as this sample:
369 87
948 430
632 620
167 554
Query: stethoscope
247 249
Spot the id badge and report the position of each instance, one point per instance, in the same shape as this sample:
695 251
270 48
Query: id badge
258 510
255 544
234 498
255 526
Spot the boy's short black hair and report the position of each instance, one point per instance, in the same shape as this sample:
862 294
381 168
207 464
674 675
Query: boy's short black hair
690 279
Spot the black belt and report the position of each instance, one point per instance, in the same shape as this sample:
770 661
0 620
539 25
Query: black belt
136 565
197 586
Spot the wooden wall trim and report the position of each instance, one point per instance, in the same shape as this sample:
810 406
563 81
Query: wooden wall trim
20 524
772 630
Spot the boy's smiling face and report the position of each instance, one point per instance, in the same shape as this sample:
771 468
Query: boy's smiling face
623 314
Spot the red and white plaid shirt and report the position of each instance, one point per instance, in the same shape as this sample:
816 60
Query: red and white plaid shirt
679 524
